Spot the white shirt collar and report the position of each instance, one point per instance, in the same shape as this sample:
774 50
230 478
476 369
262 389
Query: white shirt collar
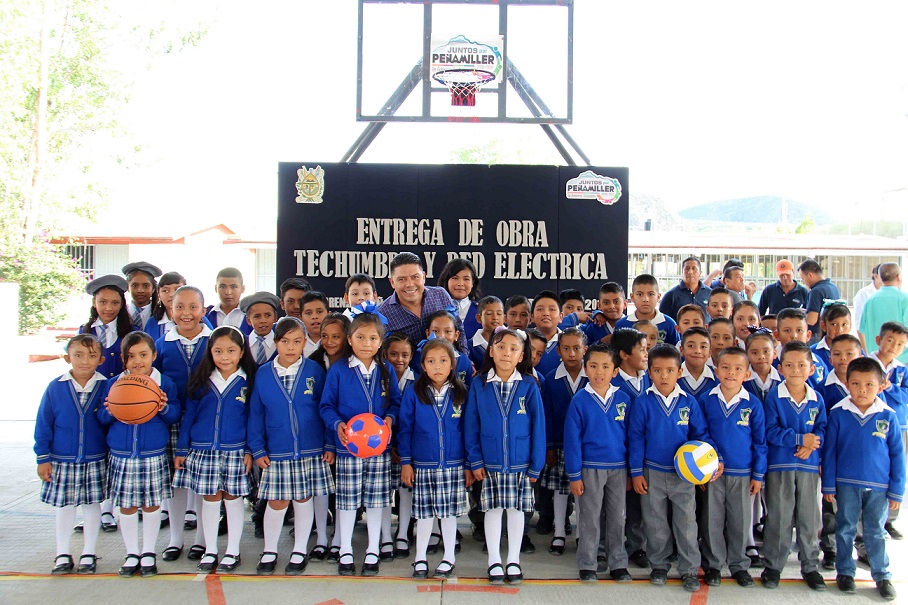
221 383
354 362
268 338
561 372
234 318
742 395
710 363
821 344
678 392
408 376
553 339
877 406
608 394
291 371
155 375
772 376
707 373
493 377
173 334
634 380
832 378
783 392
463 307
88 385
892 364
658 319
110 335
441 393
478 340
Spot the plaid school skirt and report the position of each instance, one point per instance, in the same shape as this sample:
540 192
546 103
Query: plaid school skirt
506 490
363 482
75 483
439 492
555 477
171 447
296 479
395 476
138 481
207 472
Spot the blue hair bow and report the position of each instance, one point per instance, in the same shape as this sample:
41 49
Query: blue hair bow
368 306
759 330
828 302
424 341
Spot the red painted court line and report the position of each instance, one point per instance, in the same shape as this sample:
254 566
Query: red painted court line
331 602
699 597
467 588
214 590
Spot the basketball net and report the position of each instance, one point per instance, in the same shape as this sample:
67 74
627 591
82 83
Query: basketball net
464 84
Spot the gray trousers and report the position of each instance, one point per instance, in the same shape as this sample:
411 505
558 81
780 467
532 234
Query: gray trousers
666 489
633 525
728 515
792 501
603 496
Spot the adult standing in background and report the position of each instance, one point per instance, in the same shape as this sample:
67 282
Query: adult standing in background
733 281
821 289
786 293
460 279
864 294
888 304
690 290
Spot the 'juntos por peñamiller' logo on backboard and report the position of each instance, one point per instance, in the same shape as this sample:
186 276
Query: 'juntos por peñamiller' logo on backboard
591 186
310 185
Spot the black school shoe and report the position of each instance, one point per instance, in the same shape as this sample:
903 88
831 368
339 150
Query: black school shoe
815 581
228 564
266 569
63 564
526 545
620 575
886 590
894 533
370 569
512 576
149 570
638 558
690 582
207 563
743 578
658 577
420 570
845 583
828 559
127 571
88 564
346 569
295 569
770 578
712 576
588 575
386 551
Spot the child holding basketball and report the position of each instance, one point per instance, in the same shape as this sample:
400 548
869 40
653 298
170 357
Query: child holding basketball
365 383
108 321
71 450
398 350
289 443
180 352
210 458
431 445
139 475
505 440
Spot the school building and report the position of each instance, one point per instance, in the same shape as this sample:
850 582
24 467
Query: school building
198 255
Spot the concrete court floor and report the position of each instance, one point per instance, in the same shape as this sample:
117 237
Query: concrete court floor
27 550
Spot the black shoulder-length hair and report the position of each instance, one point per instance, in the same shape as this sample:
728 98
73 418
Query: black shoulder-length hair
525 366
422 383
454 267
198 383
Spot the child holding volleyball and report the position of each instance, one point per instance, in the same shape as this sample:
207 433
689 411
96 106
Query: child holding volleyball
432 455
289 443
210 458
505 440
72 451
138 474
364 383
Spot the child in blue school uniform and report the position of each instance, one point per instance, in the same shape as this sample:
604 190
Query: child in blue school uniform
139 474
210 458
645 296
289 443
460 279
561 384
161 320
761 353
547 316
863 473
835 320
791 325
442 324
261 311
180 352
697 378
71 449
143 292
229 287
108 321
505 440
432 455
365 383
490 315
399 352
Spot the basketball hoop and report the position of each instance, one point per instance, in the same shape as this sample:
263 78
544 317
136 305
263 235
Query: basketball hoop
463 84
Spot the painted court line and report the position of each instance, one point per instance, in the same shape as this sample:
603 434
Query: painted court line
699 597
214 590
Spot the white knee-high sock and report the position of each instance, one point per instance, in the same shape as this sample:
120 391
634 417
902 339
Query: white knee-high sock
208 523
492 524
373 526
91 513
196 502
151 526
386 525
303 512
344 522
433 540
235 511
515 534
320 504
107 506
559 505
423 529
272 523
449 535
177 515
66 517
404 512
129 529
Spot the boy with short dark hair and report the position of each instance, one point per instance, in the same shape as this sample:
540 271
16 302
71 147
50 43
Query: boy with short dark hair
611 307
721 336
292 291
770 321
645 296
490 315
736 424
314 307
358 289
863 471
517 312
720 303
229 287
792 326
795 426
696 377
595 459
547 315
690 316
572 309
651 331
660 421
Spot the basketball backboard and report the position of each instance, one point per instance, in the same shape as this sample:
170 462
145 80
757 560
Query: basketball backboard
516 55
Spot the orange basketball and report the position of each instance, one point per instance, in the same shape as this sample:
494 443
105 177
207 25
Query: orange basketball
134 399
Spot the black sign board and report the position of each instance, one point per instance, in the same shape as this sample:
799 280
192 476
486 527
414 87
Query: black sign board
526 228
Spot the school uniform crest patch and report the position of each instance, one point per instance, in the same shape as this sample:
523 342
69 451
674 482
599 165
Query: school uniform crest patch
462 376
684 414
882 429
310 185
745 417
310 383
814 412
457 408
621 408
523 408
242 397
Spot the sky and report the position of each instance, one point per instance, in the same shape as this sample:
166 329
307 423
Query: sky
702 101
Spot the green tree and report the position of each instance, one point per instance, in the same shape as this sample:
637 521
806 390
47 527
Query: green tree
64 82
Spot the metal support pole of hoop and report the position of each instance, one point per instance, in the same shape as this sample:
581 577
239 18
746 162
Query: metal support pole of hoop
463 84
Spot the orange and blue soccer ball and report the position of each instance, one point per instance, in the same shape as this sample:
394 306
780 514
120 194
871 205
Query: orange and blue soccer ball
696 462
367 435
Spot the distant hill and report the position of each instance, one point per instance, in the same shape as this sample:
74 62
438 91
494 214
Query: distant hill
645 206
760 209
